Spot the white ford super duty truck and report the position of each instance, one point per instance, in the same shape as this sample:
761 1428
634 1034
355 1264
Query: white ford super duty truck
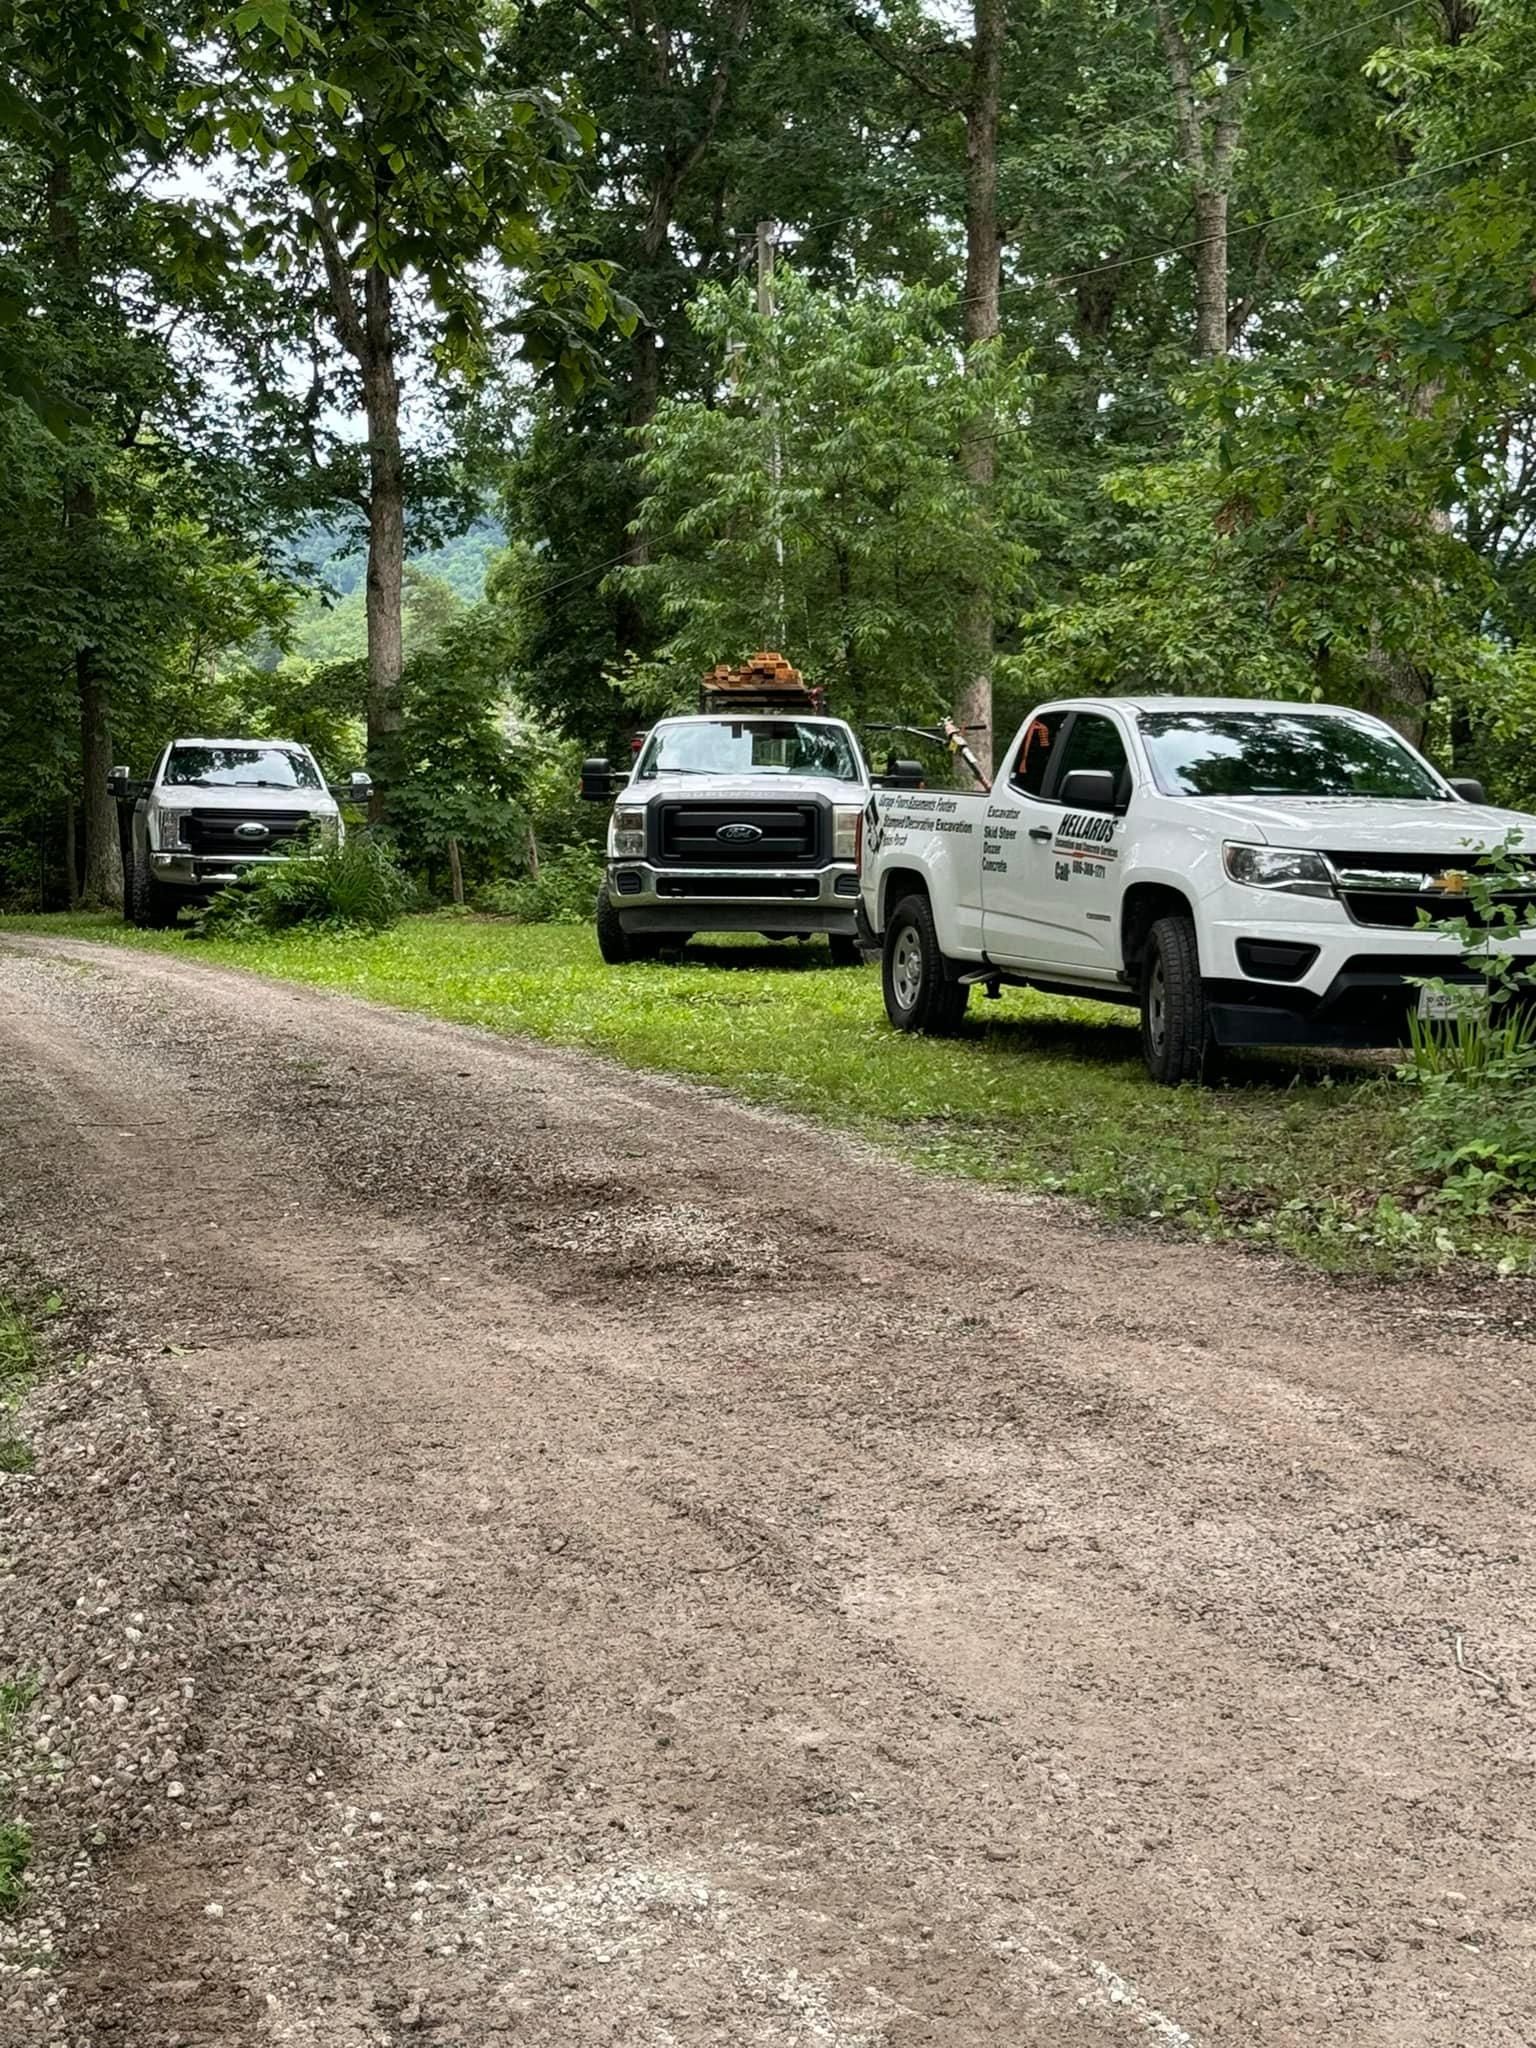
213 809
1246 873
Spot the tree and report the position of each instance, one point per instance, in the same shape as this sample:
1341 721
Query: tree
869 401
413 154
690 97
114 506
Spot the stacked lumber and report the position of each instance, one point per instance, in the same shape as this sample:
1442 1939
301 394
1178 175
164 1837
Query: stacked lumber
763 679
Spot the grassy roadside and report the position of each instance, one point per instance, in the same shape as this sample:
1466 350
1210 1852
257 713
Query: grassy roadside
20 1365
1040 1094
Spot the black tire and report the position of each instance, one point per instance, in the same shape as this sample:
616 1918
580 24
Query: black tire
1176 1040
164 906
920 993
146 902
845 951
135 888
617 946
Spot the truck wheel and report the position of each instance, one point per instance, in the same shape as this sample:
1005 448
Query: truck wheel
1176 1040
135 883
617 946
919 995
164 905
845 951
146 902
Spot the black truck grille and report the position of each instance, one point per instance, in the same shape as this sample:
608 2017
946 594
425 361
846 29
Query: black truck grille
1397 904
740 835
753 888
217 832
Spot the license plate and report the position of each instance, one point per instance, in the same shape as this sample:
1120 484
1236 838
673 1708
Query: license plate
1436 1005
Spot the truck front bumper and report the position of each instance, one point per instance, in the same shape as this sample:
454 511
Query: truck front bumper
650 898
1325 981
208 871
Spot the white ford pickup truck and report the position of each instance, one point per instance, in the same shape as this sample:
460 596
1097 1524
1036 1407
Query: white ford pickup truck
1247 873
742 822
214 809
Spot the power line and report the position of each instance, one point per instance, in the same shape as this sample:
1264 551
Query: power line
1361 192
1118 127
1156 255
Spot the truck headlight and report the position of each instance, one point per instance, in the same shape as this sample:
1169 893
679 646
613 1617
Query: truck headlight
328 825
1291 869
168 831
626 833
845 831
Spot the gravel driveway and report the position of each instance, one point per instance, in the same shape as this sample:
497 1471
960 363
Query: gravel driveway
611 1566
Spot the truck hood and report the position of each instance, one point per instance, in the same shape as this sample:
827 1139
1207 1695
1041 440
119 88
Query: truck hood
182 797
1374 825
743 789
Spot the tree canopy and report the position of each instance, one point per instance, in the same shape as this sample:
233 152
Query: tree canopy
1167 346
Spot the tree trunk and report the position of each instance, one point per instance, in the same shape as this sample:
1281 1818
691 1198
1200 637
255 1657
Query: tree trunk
1209 131
455 871
386 538
983 323
102 884
1211 273
367 334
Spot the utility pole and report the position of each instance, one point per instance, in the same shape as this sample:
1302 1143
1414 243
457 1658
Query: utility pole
767 242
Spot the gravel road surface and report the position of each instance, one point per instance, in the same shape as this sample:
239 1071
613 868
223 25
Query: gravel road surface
612 1566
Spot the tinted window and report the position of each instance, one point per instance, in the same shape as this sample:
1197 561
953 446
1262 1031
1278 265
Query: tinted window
1280 753
1034 755
749 746
1095 742
241 768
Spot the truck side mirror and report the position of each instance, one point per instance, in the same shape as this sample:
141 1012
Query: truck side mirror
1088 789
360 786
597 780
1469 789
117 780
902 774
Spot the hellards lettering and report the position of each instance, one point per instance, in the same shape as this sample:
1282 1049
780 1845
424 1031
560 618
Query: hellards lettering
1098 830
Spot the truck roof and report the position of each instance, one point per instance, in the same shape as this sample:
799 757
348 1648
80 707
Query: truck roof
735 715
1139 703
197 740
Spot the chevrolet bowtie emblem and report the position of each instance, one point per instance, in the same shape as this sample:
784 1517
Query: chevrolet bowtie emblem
1452 882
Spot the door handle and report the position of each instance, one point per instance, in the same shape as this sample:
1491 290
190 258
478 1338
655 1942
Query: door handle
1040 832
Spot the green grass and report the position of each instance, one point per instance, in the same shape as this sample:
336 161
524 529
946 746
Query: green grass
20 1363
1038 1094
15 1855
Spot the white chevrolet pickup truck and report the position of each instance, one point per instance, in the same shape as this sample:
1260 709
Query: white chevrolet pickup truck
1246 873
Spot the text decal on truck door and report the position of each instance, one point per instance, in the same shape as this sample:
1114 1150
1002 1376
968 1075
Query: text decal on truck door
1084 836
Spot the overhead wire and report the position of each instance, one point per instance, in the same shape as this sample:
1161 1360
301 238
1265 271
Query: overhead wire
1055 282
1099 135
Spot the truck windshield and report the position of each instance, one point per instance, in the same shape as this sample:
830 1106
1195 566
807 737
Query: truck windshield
1281 753
241 768
749 746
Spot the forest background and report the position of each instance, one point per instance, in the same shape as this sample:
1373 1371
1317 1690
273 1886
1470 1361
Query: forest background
446 384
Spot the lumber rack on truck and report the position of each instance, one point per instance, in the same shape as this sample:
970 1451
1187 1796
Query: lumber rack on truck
764 682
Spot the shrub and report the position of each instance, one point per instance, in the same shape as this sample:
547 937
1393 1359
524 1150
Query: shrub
356 886
1477 1144
562 892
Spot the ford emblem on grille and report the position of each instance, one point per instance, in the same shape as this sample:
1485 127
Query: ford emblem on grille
251 830
738 835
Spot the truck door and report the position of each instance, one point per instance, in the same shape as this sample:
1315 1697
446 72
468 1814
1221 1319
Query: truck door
1050 884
